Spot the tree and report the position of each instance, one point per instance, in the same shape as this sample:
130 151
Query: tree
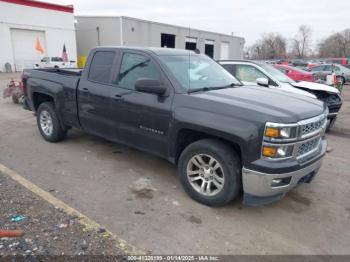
269 46
336 45
302 41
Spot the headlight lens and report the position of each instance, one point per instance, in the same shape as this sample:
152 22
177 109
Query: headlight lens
274 132
276 151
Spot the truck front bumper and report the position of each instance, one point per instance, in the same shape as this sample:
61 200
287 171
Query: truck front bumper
264 188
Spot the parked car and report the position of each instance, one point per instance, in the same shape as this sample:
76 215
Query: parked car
295 73
342 72
54 62
264 75
298 63
186 108
340 61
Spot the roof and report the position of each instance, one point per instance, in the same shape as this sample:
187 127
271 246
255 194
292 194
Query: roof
44 5
239 60
158 23
160 51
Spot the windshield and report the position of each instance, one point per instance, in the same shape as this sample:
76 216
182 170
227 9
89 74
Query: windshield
281 77
197 72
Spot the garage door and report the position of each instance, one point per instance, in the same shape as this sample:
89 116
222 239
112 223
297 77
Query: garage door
24 46
225 51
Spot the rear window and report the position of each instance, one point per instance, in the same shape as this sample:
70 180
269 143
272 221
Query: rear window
101 67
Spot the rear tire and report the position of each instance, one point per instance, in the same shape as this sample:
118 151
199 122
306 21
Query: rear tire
214 164
49 124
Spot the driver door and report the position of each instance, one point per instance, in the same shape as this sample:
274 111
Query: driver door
140 119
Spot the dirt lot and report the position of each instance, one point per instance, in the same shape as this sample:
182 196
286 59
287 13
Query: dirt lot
47 230
97 178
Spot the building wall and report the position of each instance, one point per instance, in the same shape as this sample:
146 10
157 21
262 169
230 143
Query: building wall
87 33
146 33
138 32
58 27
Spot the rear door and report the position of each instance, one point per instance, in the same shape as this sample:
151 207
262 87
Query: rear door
94 92
140 119
319 72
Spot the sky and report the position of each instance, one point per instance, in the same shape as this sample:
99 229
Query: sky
247 18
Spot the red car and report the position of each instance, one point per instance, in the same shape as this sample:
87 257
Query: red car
295 73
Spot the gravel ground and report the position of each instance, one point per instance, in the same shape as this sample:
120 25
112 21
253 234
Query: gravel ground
49 231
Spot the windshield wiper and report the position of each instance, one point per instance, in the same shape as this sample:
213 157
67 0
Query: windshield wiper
204 89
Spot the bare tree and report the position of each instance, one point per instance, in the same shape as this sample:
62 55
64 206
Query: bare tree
336 45
302 41
269 46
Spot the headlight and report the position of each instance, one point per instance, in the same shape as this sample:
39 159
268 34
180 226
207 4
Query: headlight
277 151
278 132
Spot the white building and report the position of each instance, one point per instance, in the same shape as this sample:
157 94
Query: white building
31 30
101 30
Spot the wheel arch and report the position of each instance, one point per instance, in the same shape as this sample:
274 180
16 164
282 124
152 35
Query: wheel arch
187 136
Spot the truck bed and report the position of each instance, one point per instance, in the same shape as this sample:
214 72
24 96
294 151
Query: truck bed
61 84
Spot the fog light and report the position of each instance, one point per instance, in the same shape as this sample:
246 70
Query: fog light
277 182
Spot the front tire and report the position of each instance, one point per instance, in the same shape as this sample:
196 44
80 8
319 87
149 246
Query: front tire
330 124
15 99
49 124
210 172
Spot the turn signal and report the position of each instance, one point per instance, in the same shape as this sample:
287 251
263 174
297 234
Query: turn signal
269 151
272 132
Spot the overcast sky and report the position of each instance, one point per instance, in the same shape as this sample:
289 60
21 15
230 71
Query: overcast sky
247 18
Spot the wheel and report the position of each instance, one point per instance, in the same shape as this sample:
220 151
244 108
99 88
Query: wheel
49 124
21 98
56 67
15 99
210 172
341 80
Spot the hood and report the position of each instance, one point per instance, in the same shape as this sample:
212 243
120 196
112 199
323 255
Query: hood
315 87
292 89
271 105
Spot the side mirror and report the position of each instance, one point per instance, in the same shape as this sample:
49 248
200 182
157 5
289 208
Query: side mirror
262 82
149 85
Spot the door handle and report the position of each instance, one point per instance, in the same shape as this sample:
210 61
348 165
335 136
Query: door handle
84 89
118 97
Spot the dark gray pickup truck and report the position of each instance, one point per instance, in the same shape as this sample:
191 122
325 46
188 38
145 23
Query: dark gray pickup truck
183 106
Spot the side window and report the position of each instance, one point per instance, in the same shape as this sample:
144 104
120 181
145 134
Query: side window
328 68
228 67
283 70
336 68
133 67
317 68
248 73
101 67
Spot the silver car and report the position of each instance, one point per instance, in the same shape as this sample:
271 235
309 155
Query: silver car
342 72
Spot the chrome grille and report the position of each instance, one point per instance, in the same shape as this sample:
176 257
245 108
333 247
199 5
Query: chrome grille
312 127
308 146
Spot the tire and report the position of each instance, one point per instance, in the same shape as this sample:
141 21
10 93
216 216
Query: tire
330 125
52 131
228 174
15 99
